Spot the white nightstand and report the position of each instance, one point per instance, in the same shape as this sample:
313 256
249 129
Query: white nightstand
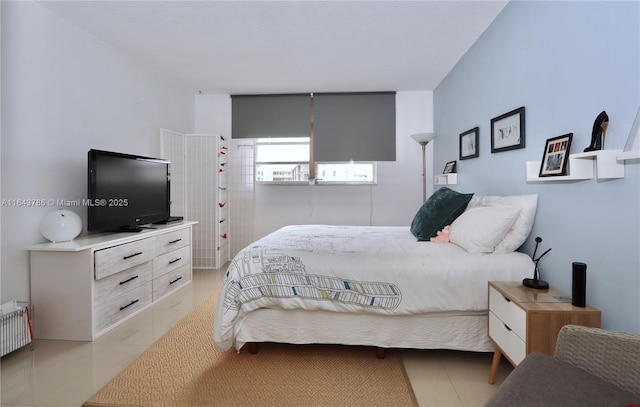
523 320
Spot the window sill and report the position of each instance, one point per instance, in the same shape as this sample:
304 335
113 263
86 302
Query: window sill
311 183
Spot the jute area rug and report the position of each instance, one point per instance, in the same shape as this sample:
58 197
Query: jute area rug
184 369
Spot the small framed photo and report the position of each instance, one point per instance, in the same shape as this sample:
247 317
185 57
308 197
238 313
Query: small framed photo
507 131
449 168
469 143
556 156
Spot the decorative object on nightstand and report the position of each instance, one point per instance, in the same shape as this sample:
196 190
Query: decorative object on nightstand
61 226
535 282
423 139
579 284
599 132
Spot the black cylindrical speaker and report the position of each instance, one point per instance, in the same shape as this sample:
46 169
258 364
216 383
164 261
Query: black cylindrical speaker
579 285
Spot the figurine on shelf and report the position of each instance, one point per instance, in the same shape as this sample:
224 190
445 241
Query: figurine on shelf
598 133
535 282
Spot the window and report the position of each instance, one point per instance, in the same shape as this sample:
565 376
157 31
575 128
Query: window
282 160
312 136
286 161
347 173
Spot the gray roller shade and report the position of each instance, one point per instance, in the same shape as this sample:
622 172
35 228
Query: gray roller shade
257 116
354 126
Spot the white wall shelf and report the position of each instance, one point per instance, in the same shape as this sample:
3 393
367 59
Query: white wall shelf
446 179
581 167
632 147
606 162
629 155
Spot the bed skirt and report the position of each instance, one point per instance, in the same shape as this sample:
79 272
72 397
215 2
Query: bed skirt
466 331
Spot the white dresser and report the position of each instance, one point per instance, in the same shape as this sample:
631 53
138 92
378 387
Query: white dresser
86 287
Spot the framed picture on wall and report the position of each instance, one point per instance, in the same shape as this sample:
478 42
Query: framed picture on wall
507 131
469 143
449 168
556 156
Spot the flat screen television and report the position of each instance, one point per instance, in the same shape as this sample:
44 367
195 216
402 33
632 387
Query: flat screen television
126 191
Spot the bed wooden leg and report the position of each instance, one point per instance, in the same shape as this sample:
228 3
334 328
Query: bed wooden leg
497 354
380 353
253 348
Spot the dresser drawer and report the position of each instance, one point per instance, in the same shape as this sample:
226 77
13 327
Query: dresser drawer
173 240
171 261
117 284
117 258
170 281
508 312
512 346
115 309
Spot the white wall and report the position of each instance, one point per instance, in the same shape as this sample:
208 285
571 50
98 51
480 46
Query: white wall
565 62
393 201
213 115
63 93
0 142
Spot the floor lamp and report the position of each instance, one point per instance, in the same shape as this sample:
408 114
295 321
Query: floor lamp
423 139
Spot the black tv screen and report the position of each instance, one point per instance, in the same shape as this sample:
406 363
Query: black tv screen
126 191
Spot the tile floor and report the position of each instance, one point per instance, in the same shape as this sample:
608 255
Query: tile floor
67 373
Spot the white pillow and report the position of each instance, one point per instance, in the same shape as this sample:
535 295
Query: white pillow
523 224
481 229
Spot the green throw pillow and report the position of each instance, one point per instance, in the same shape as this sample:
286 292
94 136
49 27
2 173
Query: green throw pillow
440 210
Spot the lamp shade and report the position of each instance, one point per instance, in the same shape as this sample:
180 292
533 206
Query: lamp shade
61 226
423 137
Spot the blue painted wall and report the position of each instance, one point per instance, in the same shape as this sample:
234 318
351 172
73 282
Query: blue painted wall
564 62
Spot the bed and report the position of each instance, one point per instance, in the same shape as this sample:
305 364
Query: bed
381 286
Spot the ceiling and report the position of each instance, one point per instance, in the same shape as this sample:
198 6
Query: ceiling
257 47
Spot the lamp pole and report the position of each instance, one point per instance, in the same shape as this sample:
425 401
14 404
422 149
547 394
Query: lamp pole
423 139
424 171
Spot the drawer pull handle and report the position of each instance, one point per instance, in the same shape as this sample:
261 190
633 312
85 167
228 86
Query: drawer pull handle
127 280
506 299
132 255
175 241
175 281
129 304
173 261
508 329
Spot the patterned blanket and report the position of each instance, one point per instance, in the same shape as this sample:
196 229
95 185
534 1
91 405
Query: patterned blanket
380 270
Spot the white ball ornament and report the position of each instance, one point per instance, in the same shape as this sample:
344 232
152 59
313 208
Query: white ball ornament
61 226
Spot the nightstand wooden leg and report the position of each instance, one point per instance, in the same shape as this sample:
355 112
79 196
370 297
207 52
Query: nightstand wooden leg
495 363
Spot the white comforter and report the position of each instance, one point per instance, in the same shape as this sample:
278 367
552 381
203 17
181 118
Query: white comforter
357 269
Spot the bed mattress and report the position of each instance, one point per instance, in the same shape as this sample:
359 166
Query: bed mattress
360 270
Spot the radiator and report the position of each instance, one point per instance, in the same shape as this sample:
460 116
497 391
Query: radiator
15 326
